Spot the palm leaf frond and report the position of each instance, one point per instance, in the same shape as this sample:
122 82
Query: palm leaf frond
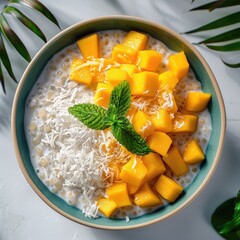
25 21
39 7
232 65
226 21
227 36
6 32
221 22
225 48
5 59
13 38
2 79
216 4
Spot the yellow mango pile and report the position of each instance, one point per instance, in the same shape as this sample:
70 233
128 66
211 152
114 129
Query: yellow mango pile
142 180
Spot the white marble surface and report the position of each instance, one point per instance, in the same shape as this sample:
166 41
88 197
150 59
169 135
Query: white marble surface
23 215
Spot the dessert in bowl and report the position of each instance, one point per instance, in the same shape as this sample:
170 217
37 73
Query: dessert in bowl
89 172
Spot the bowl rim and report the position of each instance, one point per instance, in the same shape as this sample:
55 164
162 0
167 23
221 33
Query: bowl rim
216 88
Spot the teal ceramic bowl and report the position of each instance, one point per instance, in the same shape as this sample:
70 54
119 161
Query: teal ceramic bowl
174 42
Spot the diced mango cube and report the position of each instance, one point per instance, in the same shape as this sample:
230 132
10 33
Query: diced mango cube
162 121
116 75
129 68
193 153
175 161
167 81
106 206
102 94
197 101
100 69
132 189
119 194
178 64
135 40
89 46
124 54
80 74
154 165
149 60
159 142
167 101
144 84
168 188
185 123
142 124
145 197
134 171
132 111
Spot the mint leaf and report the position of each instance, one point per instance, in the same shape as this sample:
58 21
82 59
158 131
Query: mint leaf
112 112
124 132
121 98
96 117
90 115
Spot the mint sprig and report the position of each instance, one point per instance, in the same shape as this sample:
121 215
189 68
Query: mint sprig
124 132
121 98
90 115
99 118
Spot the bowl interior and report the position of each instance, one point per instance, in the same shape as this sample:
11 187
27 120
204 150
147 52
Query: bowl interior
174 42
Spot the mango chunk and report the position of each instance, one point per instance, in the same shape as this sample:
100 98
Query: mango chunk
193 153
144 84
142 124
185 123
175 161
132 111
162 121
132 189
167 81
124 54
129 68
119 194
89 46
135 40
102 94
149 60
167 101
80 74
145 197
133 172
178 64
159 142
154 165
197 101
168 188
115 75
106 206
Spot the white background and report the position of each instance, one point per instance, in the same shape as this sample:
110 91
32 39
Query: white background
23 215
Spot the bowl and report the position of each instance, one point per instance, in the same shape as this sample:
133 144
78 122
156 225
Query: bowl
173 41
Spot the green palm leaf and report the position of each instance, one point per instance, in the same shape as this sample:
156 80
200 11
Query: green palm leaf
216 4
222 22
13 38
232 65
25 20
225 48
229 35
2 79
8 33
5 60
39 7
